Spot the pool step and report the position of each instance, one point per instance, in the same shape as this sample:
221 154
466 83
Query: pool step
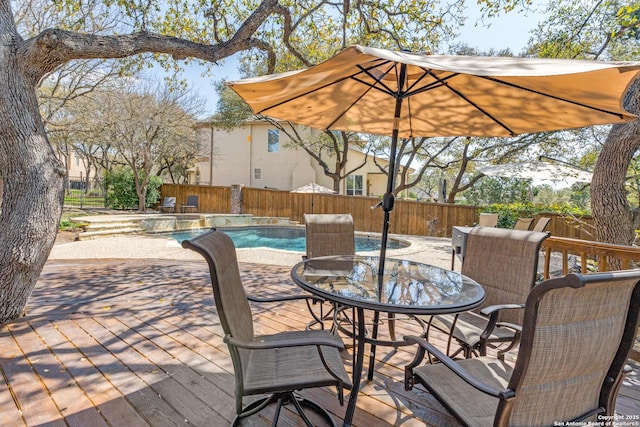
90 235
108 229
116 225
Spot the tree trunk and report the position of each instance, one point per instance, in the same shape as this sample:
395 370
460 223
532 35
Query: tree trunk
33 179
612 215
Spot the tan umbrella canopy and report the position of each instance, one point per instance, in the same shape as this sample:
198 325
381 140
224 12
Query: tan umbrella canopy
444 95
405 94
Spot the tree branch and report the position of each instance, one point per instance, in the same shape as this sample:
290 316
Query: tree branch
53 47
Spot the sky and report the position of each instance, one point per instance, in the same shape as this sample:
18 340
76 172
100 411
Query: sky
510 31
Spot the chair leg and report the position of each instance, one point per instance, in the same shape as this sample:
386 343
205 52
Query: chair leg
281 399
253 408
299 402
512 345
276 416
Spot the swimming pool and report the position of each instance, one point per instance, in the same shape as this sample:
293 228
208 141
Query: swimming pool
286 238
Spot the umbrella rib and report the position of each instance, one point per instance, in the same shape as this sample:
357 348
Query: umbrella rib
440 81
580 104
368 85
352 76
408 94
378 80
498 122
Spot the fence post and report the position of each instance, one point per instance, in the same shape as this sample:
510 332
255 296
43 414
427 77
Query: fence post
236 198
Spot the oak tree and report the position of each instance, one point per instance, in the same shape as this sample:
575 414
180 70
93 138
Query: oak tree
32 177
607 30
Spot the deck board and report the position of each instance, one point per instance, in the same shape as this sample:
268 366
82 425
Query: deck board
139 343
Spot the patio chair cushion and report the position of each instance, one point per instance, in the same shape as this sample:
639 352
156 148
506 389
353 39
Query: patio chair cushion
474 407
271 371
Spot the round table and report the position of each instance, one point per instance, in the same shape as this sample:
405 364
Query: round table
406 287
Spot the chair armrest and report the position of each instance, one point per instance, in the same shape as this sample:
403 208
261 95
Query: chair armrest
458 370
492 312
487 311
286 342
512 326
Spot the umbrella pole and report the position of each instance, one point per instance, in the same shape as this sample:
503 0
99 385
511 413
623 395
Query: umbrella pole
387 205
388 198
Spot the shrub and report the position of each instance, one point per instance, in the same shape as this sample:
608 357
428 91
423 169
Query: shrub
121 189
508 214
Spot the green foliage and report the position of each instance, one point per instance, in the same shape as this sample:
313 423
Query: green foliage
231 110
629 18
121 189
490 190
604 30
509 213
66 224
153 191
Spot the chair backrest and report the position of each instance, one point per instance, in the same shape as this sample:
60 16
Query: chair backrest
488 220
577 333
329 234
192 200
542 223
523 224
505 263
169 202
228 293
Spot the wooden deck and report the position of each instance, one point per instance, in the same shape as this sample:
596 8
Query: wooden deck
138 342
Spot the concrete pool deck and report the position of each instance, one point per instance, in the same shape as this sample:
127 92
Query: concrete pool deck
430 250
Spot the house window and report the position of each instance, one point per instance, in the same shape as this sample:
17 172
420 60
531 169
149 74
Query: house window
273 142
354 185
257 173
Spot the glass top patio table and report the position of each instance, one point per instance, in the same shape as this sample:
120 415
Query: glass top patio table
407 287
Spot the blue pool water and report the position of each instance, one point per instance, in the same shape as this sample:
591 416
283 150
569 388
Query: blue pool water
287 238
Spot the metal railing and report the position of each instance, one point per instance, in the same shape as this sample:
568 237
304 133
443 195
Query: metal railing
83 193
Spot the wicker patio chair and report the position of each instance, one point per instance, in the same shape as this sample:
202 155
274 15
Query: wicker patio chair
577 333
488 220
279 364
168 205
523 224
505 263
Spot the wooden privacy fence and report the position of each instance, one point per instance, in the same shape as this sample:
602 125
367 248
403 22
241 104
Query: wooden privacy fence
408 217
563 225
210 199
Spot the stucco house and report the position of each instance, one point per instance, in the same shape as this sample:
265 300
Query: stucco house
258 155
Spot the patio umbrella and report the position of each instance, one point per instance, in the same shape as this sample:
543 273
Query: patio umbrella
538 171
313 188
406 94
